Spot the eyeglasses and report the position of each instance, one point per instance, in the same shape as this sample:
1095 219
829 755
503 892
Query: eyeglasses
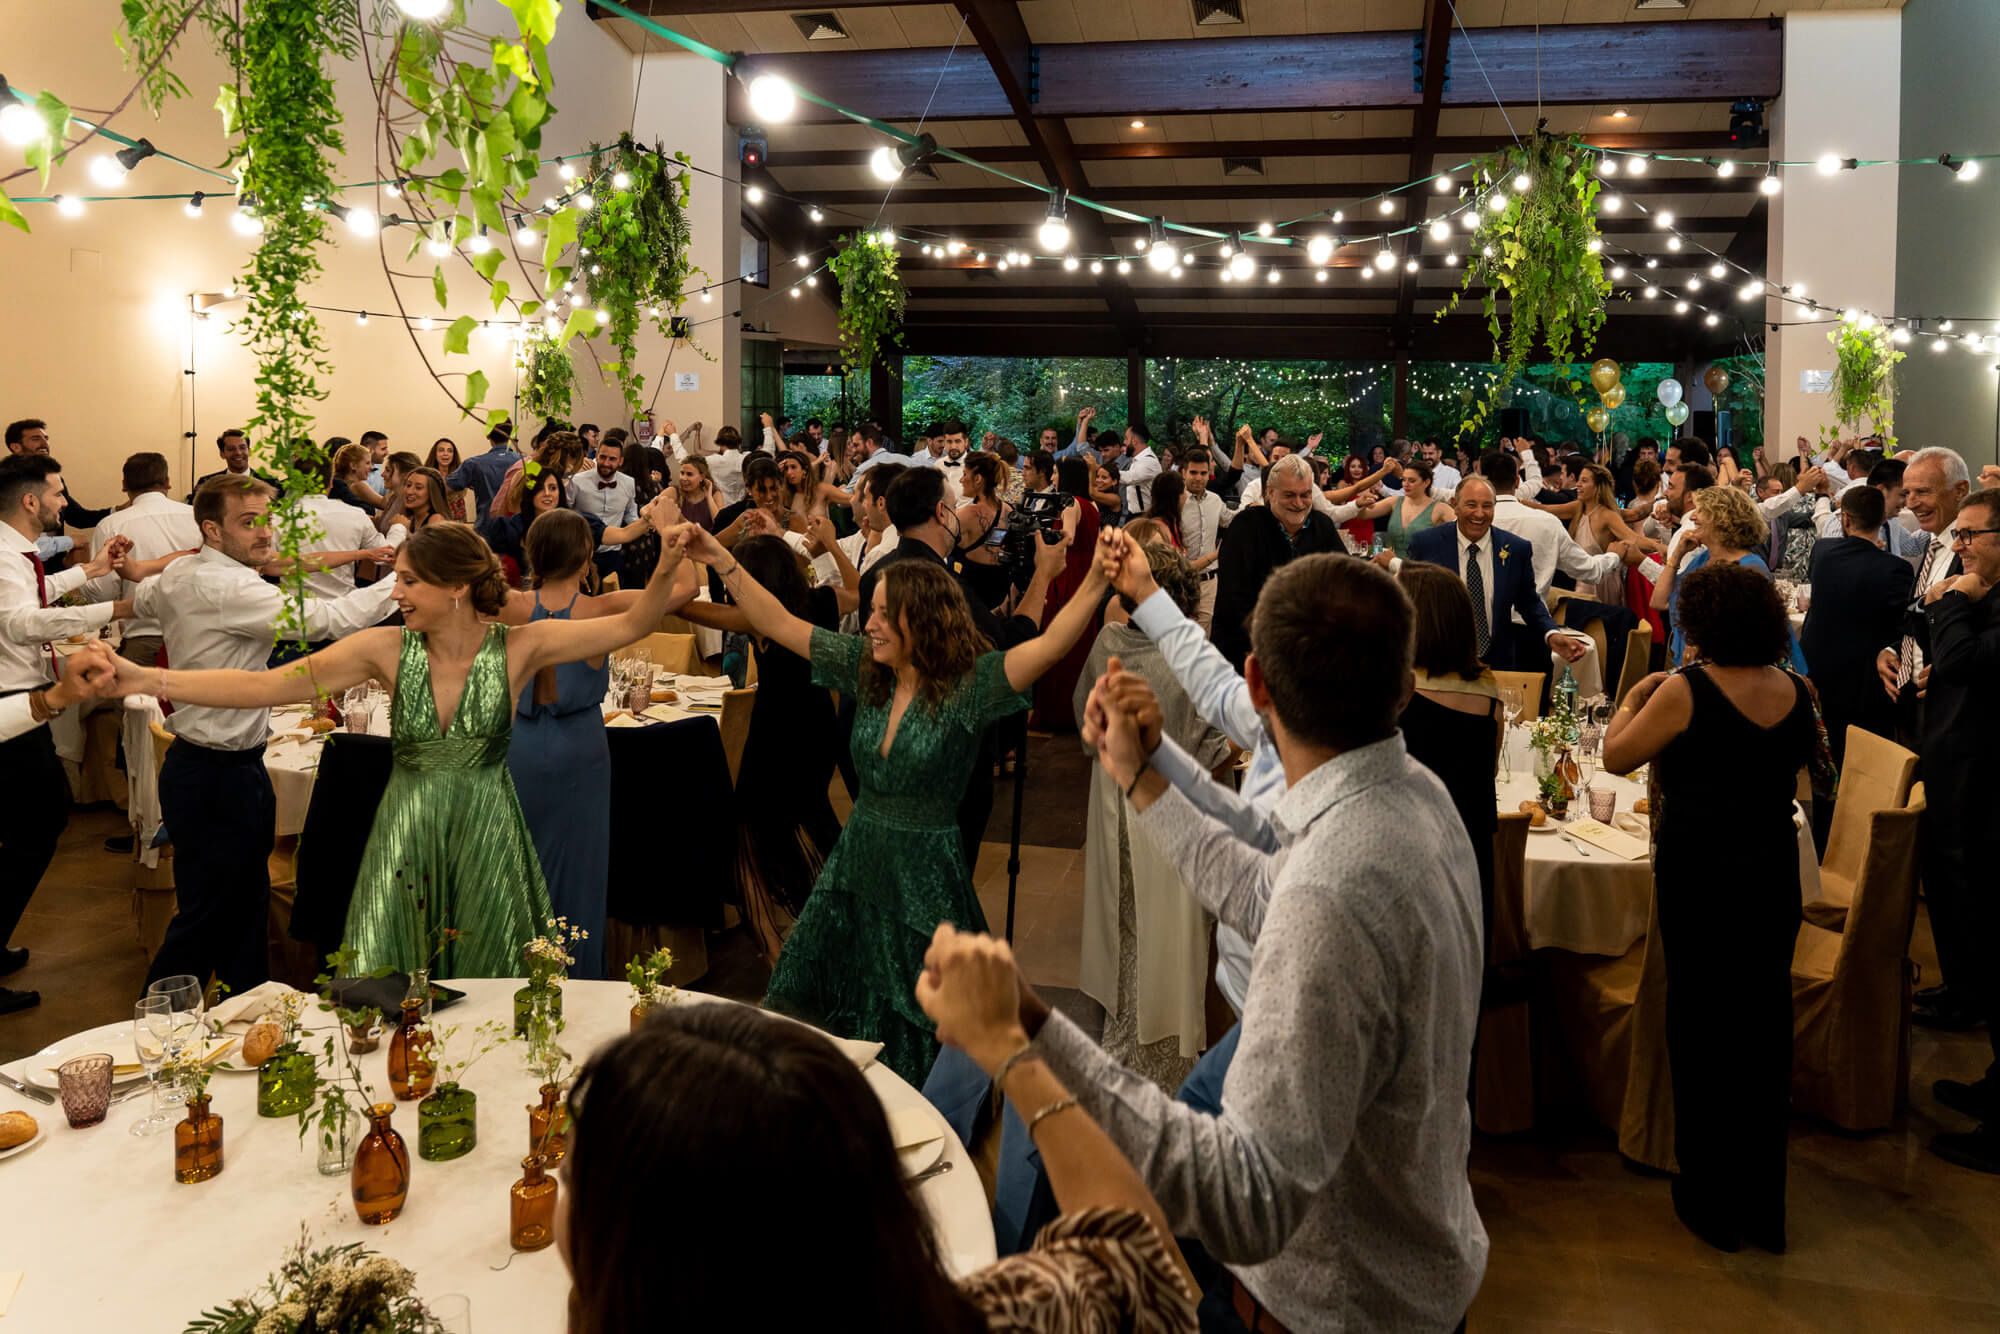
1964 536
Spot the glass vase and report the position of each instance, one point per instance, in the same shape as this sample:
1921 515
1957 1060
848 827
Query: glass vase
447 1124
531 1206
198 1143
286 1082
524 1004
548 1127
381 1176
338 1134
410 1069
640 1010
364 1037
1564 777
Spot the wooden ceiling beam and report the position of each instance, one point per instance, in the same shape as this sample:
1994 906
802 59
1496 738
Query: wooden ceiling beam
1251 189
1438 18
667 9
1453 146
1017 234
1698 60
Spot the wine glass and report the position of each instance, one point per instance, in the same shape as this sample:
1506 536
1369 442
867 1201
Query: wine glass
187 1000
152 1029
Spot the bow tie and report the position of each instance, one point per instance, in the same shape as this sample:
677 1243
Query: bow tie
607 486
951 463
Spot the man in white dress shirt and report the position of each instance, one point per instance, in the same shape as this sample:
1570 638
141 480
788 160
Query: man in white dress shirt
1444 477
156 526
1935 484
37 794
1203 517
725 465
215 796
610 495
1136 473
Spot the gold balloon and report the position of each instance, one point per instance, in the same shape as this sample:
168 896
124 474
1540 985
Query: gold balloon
1604 372
1598 419
1717 380
1614 397
1677 413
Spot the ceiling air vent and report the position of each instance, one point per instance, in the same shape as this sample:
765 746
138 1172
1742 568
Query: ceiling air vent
1243 166
923 169
820 27
1218 11
1661 4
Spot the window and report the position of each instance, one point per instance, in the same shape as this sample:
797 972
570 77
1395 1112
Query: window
763 378
754 266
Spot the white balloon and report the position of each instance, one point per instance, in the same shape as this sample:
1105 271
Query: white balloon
1670 392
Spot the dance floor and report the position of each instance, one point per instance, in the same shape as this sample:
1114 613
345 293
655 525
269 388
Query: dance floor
1884 1236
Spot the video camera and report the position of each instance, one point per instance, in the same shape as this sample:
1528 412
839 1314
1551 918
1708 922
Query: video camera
1014 545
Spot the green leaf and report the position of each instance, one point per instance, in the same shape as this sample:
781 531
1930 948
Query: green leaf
475 389
458 337
11 215
497 417
514 59
486 206
226 103
499 291
528 108
580 322
560 235
530 309
487 264
438 288
536 18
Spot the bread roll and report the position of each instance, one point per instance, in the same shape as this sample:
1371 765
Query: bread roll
1642 806
1537 815
17 1128
260 1042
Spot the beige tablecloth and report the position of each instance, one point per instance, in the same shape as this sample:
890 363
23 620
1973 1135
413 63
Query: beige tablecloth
1586 900
117 1245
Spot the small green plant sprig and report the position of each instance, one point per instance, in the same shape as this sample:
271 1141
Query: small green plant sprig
646 971
1864 379
632 250
548 378
1541 251
871 299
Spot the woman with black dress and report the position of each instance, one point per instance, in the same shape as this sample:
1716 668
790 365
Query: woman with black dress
1731 725
1452 724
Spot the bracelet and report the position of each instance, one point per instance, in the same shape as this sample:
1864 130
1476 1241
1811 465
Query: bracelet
38 706
1136 776
1059 1105
1026 1050
734 566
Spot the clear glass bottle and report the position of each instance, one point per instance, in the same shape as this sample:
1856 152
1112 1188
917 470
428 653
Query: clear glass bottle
337 1140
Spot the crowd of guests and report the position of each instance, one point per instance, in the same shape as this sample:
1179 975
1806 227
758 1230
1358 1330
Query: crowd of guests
1283 668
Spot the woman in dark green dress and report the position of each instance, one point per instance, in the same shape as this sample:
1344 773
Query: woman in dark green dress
925 686
449 847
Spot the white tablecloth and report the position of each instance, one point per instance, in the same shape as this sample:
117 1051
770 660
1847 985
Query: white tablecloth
1586 900
116 1244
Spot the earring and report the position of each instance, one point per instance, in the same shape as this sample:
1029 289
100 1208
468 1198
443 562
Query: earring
454 604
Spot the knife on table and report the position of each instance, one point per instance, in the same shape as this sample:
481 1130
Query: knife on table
37 1094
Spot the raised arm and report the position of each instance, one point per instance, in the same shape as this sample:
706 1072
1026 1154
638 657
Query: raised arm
1027 661
364 655
766 615
138 571
821 538
546 643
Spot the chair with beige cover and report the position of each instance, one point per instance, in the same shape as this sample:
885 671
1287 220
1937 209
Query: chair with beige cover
1638 660
735 724
153 898
1851 989
676 653
1504 1081
1875 776
1531 686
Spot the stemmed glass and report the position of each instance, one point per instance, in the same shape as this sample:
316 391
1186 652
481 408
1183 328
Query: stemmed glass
1514 702
152 1030
187 1001
1587 755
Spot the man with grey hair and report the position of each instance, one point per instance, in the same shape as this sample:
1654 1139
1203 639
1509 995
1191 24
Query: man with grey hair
1258 541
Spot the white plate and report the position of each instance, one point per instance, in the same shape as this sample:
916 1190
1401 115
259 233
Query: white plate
40 1135
115 1040
921 1157
1550 828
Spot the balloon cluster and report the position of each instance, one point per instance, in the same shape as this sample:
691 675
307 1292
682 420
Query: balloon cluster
1605 375
1670 399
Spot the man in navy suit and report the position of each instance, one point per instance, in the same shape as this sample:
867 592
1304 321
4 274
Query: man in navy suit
1860 596
1499 571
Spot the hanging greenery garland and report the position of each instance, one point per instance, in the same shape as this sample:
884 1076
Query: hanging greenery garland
1539 250
871 298
1864 380
548 380
632 250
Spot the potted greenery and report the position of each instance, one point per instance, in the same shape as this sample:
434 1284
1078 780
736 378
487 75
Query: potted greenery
448 1119
647 974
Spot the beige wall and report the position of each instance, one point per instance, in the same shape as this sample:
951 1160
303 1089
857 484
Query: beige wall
1836 234
98 305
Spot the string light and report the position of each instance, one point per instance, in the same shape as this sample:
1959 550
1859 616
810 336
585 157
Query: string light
246 222
1829 163
1726 167
1161 255
1054 231
1521 182
1770 185
423 10
69 206
1319 275
1096 266
752 193
21 124
1451 259
1607 166
816 215
1387 206
1320 248
1680 307
1385 260
193 206
1443 184
1651 292
621 180
1264 229
1636 165
526 236
587 201
1753 288
772 98
1712 319
480 242
1273 275
1611 203
1440 230
1694 284
362 319
1663 220
1496 201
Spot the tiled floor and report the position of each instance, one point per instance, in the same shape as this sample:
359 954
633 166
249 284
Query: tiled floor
1884 1236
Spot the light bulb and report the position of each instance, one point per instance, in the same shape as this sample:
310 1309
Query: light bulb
812 280
1320 248
1054 234
816 215
1617 272
1751 289
1496 201
526 236
1470 218
1770 185
1968 172
772 98
1726 167
362 318
1611 203
1440 230
1902 334
1711 318
1716 270
1595 244
1124 266
1635 165
1694 284
246 222
604 316
1664 220
586 200
107 171
438 246
1451 259
1443 184
1265 229
1937 344
707 296
887 236
1162 256
69 206
1487 251
1942 328
1319 275
1387 206
1651 291
193 206
981 257
1072 264
1521 182
1680 307
803 260
423 10
1673 243
1829 163
1607 166
885 164
1367 272
362 221
480 242
427 324
795 290
1175 271
21 124
1241 265
927 250
621 180
595 270
1338 216
752 193
953 247
1652 263
1386 260
549 204
567 172
1002 266
1096 266
1410 265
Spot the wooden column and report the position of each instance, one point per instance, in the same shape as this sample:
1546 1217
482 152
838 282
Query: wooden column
1135 386
1399 406
885 391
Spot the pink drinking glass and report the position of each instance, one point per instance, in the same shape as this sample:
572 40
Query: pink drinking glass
85 1085
1603 804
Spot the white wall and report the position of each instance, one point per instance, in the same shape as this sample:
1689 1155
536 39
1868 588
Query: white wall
1836 234
98 332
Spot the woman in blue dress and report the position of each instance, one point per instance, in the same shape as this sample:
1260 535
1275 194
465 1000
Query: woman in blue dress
1725 524
559 759
926 685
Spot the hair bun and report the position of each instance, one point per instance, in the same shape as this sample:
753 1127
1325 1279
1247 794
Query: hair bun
489 590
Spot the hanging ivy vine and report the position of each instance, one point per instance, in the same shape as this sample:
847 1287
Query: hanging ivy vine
632 253
1864 380
1540 251
548 380
871 299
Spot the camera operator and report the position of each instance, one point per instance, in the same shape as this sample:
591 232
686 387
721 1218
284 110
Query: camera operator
919 507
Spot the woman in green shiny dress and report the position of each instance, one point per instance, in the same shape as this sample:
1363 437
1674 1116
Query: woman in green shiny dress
925 685
449 848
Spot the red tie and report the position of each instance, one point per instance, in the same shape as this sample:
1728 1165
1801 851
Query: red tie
42 597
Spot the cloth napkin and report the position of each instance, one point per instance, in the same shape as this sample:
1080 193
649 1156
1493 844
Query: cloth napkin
862 1053
1631 822
235 1014
911 1126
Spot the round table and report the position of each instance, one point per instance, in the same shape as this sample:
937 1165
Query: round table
1587 900
116 1244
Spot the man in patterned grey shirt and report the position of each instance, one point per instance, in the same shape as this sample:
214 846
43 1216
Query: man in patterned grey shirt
1333 1183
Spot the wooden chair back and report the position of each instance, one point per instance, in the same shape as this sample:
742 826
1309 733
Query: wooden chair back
1531 684
735 723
